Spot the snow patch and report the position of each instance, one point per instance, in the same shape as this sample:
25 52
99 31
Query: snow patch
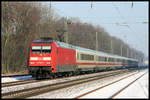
15 78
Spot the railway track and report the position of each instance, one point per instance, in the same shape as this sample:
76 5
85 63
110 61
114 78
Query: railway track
107 85
21 82
47 88
4 76
7 84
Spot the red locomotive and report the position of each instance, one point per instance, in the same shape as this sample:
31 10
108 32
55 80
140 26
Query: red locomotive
49 58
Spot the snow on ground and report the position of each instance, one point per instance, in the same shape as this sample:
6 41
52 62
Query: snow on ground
73 91
139 89
108 91
15 78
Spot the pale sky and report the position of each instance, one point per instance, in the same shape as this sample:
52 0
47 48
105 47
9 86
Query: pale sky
120 19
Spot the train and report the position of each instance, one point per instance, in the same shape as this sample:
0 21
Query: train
49 58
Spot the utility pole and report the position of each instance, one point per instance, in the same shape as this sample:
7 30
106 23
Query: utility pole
96 42
66 31
121 49
132 5
127 52
91 5
50 5
111 47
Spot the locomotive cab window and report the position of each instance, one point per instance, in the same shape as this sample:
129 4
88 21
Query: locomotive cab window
41 49
36 49
46 49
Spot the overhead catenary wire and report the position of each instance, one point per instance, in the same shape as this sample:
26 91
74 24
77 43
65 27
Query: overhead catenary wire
128 26
58 10
108 17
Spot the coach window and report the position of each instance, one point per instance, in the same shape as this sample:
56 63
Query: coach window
100 58
103 58
126 61
113 59
110 59
87 57
77 56
129 62
96 58
106 59
118 60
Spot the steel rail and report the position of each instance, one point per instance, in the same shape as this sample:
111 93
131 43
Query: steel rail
7 84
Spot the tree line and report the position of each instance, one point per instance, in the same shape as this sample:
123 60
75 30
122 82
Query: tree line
23 22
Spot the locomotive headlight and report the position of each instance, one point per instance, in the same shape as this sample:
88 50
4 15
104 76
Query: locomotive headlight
48 63
32 62
34 58
46 58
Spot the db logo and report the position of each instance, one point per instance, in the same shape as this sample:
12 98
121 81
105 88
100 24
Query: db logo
40 58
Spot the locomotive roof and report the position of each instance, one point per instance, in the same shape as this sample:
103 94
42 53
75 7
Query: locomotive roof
69 46
42 41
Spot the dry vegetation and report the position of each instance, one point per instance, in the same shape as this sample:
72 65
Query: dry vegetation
23 22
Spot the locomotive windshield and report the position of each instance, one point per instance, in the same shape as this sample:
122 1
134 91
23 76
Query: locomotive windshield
41 49
46 49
